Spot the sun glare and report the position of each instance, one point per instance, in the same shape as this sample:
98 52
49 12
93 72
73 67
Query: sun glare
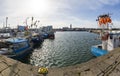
39 6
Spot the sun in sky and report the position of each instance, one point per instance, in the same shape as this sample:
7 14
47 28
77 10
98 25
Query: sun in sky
38 6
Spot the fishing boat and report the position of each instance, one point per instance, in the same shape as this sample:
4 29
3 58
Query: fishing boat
47 32
110 39
51 36
15 47
5 33
36 38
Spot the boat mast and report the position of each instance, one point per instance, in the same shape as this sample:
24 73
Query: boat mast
32 22
6 21
104 21
26 21
3 24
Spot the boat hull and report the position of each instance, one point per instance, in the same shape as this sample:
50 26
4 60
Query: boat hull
21 54
36 40
98 51
51 36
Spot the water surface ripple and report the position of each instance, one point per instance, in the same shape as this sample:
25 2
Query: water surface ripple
68 48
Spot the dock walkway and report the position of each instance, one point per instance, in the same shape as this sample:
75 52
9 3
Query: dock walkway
108 65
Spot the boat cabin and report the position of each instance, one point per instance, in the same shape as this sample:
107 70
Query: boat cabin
113 41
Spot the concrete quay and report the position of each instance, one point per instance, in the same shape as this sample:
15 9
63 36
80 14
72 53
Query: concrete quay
10 67
108 65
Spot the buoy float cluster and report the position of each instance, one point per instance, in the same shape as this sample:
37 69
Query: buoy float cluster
104 19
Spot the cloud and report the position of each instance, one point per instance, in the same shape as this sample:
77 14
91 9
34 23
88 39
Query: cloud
109 2
90 4
116 23
56 12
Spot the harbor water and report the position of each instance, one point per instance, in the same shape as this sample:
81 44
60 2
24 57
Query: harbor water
68 48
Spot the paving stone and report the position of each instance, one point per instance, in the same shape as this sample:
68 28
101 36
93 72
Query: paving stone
115 73
102 66
70 74
109 61
25 73
8 72
3 66
0 75
14 69
118 67
24 67
16 75
1 60
95 70
10 61
87 73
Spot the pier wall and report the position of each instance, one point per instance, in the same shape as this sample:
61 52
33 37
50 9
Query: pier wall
108 65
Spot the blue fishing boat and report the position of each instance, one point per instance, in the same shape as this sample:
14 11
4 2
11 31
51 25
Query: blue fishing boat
98 51
15 47
45 36
36 38
47 32
110 39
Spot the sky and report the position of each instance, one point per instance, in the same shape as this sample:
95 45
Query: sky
59 13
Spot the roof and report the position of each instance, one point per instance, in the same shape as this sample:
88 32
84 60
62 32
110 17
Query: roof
16 40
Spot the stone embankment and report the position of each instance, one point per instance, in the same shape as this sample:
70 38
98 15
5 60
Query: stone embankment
108 65
10 67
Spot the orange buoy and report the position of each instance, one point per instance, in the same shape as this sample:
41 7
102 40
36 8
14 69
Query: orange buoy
104 21
109 20
100 21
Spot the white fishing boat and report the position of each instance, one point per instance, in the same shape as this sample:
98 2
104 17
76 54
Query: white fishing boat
110 39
